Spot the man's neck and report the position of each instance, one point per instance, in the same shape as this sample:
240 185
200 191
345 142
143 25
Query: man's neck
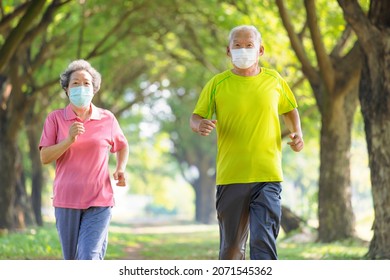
251 71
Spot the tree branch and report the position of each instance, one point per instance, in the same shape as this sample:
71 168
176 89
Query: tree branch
351 67
297 45
340 45
324 62
47 19
368 35
115 29
7 19
17 34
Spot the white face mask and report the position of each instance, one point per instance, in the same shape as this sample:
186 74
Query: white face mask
244 58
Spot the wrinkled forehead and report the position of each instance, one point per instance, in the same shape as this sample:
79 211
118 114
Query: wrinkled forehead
244 36
81 75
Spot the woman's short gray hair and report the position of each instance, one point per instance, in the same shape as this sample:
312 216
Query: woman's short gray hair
245 27
77 65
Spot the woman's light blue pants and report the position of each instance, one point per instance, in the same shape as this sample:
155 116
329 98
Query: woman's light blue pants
83 233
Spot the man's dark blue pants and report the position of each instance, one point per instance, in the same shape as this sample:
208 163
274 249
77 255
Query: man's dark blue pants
252 209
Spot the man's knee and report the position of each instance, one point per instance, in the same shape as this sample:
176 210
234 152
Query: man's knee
232 253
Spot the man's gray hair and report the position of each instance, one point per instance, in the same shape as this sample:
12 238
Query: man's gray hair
246 27
78 65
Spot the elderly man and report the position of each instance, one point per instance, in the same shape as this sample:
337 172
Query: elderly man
246 102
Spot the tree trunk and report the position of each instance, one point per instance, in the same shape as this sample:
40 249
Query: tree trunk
205 196
14 104
205 203
373 32
16 96
375 100
37 180
334 81
290 221
336 218
23 215
7 178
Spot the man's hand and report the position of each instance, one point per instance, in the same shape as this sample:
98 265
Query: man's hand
297 142
206 126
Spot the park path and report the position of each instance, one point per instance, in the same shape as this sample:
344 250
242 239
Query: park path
155 227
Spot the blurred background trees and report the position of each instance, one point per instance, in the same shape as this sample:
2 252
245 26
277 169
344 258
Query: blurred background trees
155 57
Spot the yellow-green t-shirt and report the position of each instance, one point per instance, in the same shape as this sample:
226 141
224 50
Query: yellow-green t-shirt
248 129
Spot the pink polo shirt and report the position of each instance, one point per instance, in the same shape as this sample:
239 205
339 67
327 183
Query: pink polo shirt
82 176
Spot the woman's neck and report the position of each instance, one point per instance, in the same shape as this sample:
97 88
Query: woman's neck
82 113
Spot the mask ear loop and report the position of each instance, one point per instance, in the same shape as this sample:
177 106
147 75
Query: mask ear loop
66 91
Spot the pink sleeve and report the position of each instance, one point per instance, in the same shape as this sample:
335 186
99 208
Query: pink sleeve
119 140
49 133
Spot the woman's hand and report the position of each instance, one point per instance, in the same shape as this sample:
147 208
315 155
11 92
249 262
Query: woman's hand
76 129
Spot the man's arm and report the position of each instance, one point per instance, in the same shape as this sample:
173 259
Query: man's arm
201 125
293 124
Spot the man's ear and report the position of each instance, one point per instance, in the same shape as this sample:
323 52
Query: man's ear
261 50
228 51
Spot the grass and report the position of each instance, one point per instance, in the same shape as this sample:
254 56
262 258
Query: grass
183 242
342 250
34 243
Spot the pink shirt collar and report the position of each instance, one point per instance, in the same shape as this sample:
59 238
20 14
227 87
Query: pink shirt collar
70 115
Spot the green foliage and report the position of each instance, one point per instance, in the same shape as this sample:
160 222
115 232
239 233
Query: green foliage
155 57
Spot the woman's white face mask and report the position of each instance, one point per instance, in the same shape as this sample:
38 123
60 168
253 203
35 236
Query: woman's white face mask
244 58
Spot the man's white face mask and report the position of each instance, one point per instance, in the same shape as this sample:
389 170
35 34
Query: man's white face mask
244 58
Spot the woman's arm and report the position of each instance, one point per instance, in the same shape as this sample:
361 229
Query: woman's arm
52 153
121 162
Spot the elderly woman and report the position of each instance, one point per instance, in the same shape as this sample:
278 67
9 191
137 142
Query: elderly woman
78 138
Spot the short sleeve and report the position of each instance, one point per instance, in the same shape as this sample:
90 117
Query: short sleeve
287 100
49 133
118 138
205 107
